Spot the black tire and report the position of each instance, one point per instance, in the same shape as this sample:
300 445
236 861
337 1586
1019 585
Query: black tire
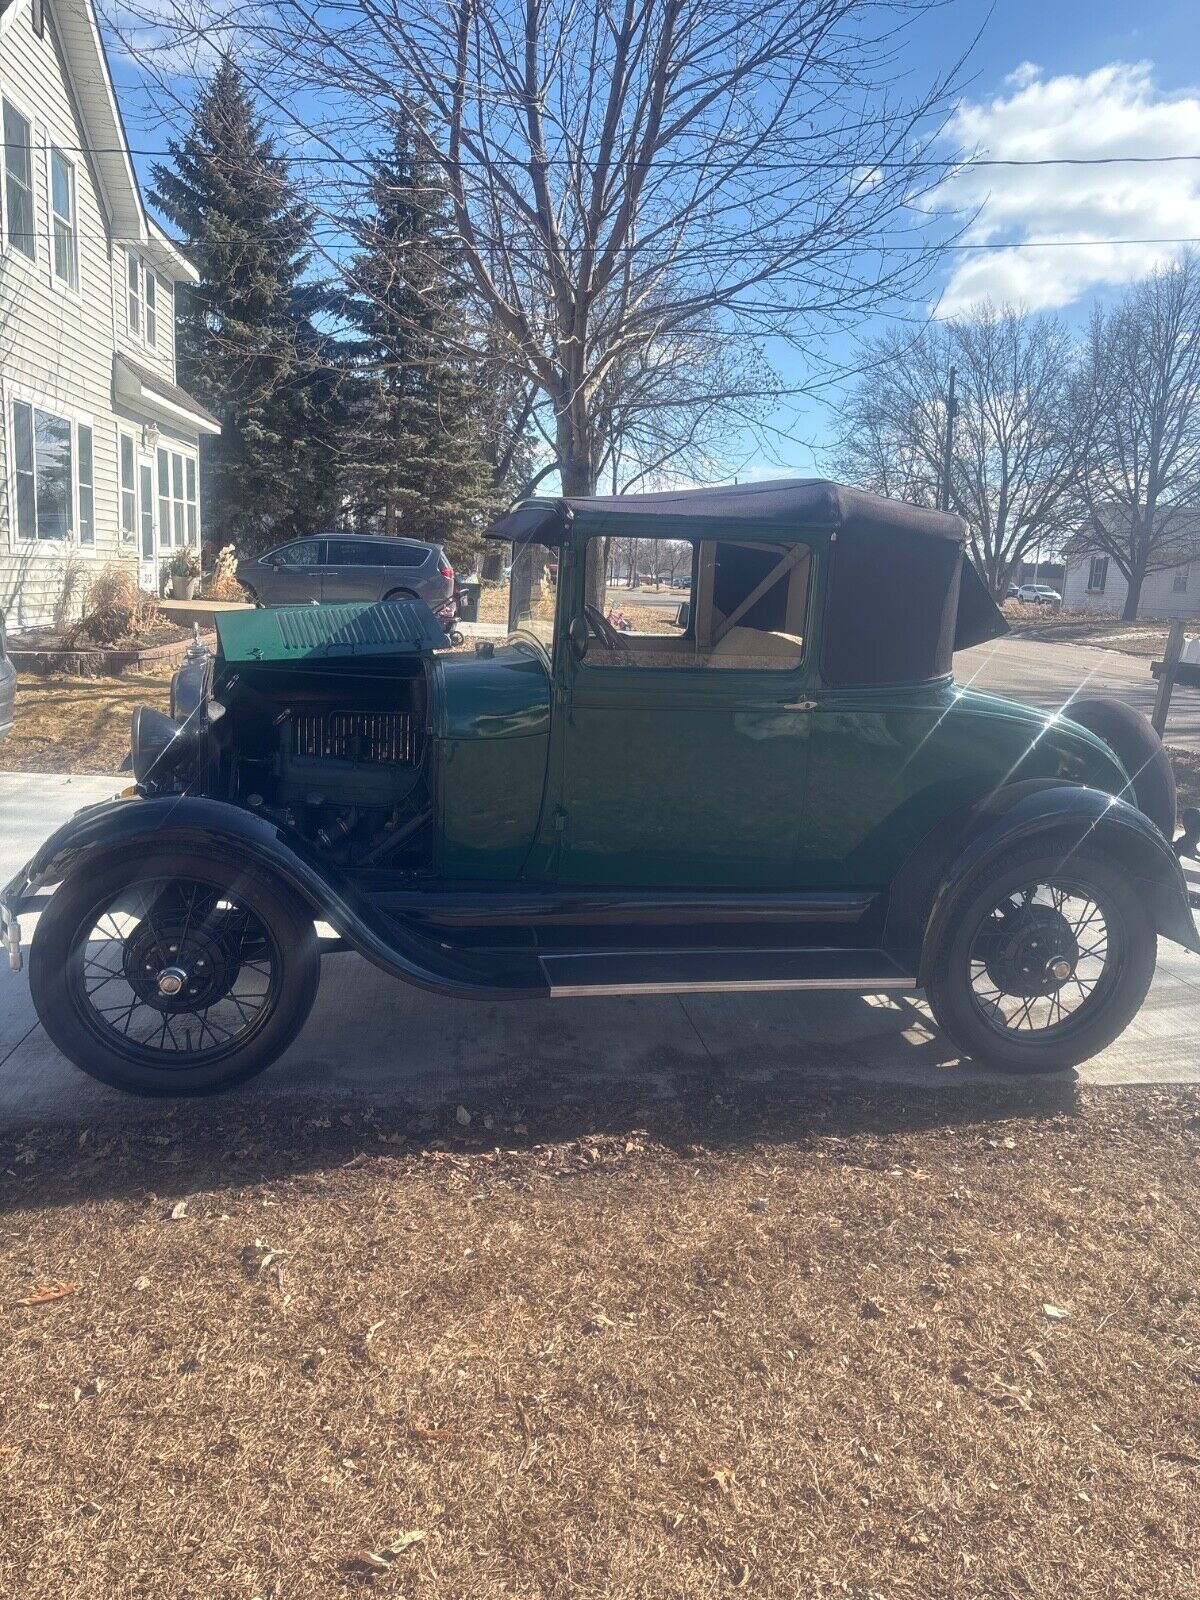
1110 1007
58 964
1140 751
399 594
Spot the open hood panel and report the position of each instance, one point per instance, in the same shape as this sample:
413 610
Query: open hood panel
329 633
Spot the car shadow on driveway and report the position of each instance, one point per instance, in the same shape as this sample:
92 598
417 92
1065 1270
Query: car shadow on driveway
427 1079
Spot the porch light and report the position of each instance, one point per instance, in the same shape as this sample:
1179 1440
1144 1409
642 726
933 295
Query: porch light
150 436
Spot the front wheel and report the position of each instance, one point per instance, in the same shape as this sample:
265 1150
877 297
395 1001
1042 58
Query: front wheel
1046 961
176 974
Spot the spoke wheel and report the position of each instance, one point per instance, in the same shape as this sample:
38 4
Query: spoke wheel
178 973
1041 957
1044 960
175 971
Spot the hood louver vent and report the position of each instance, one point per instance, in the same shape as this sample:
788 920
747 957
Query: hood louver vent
293 633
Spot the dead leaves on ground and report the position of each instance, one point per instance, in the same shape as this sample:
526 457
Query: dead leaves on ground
379 1561
47 1293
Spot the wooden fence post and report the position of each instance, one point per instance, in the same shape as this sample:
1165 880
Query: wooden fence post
1162 702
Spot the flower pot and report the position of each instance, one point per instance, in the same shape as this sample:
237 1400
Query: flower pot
184 588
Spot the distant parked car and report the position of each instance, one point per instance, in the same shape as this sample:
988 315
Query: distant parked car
8 682
1038 594
1014 592
348 567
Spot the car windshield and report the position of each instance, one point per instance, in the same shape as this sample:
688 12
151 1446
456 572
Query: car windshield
533 591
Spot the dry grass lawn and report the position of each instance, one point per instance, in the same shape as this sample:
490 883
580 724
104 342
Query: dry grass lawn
797 1343
1143 638
78 724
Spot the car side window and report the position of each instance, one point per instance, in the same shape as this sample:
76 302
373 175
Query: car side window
305 554
350 553
725 604
404 555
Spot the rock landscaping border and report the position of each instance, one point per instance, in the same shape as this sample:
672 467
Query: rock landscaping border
99 661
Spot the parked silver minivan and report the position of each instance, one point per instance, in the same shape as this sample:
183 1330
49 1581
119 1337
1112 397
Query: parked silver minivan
346 566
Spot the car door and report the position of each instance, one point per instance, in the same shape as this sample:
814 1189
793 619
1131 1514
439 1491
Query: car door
353 570
682 751
293 575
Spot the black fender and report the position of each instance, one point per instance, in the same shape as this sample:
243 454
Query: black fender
1066 818
128 828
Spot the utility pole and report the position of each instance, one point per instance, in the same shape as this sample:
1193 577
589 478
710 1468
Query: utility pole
948 446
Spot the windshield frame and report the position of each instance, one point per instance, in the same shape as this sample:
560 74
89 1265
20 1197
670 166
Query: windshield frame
521 624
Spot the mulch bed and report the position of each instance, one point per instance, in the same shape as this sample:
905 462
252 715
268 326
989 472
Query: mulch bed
778 1340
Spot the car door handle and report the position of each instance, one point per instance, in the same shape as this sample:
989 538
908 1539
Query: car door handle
800 705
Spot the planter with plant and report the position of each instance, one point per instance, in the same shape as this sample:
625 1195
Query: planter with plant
185 573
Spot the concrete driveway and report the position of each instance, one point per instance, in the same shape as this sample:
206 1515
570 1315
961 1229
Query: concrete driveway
372 1041
1047 675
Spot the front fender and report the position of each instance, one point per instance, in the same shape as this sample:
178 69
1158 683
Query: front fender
1067 819
118 828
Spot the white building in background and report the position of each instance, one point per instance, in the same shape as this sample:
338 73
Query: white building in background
1093 582
99 447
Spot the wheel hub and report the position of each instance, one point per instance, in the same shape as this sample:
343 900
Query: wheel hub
177 967
1033 953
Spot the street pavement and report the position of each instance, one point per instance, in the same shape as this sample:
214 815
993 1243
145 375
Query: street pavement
373 1041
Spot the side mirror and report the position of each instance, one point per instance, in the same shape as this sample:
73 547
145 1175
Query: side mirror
578 635
276 562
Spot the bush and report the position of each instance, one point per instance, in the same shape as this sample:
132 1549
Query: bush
115 609
223 584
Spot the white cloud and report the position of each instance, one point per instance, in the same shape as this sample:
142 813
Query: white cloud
1115 110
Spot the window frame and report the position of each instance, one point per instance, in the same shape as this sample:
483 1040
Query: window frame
10 250
704 663
172 508
73 285
127 530
1092 586
82 426
1179 584
145 294
25 544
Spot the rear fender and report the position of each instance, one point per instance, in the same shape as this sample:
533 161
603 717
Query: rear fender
1066 819
127 829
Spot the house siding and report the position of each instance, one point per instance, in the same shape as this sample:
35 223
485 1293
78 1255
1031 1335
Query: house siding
1159 598
56 348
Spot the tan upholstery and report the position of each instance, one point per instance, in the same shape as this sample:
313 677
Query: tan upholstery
741 646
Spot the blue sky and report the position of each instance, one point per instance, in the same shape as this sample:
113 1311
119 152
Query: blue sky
1046 78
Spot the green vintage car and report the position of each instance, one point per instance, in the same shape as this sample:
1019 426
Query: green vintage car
721 748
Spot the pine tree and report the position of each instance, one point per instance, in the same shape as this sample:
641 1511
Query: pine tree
245 343
416 449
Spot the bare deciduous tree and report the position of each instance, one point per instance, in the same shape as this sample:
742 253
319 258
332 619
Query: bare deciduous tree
1136 428
1011 468
626 175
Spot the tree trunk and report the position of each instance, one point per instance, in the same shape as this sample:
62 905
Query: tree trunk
1133 596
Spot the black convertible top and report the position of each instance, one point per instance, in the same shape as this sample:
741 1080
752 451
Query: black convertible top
799 502
902 594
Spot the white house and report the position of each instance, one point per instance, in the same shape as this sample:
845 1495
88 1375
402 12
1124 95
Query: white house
99 447
1093 581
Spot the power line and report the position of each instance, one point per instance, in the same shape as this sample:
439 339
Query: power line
825 164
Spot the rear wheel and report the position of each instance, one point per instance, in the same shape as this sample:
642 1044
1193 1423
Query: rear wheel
177 974
399 594
1045 963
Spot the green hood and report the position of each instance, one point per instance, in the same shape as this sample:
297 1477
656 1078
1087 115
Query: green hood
333 632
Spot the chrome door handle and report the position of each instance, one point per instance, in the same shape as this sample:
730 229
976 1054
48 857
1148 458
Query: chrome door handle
800 705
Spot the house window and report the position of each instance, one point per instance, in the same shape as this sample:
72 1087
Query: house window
1181 580
178 520
18 182
43 473
86 485
133 273
146 477
193 512
1097 575
128 487
142 297
151 309
62 218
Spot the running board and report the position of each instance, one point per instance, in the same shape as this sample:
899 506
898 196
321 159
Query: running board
721 972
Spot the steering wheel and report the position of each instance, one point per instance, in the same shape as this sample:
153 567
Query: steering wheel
603 628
